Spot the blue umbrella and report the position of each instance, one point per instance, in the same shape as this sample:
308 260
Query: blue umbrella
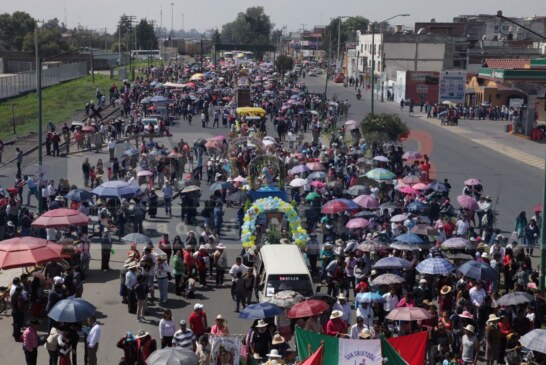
79 195
131 152
260 311
409 238
71 310
115 189
416 206
437 186
392 263
478 270
350 204
369 297
159 99
299 169
435 266
316 175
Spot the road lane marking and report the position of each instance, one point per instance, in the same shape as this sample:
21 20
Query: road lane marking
511 152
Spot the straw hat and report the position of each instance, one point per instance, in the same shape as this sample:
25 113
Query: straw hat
141 334
341 296
469 328
445 290
274 354
493 318
220 246
277 339
220 318
336 314
466 314
256 356
365 333
261 323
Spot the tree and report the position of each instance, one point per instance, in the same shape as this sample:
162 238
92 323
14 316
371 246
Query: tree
50 42
250 27
14 28
347 30
381 128
145 35
284 63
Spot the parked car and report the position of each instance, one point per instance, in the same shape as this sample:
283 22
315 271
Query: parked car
153 121
75 124
339 78
318 71
312 73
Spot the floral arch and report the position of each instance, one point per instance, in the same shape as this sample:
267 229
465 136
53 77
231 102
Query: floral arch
232 148
259 162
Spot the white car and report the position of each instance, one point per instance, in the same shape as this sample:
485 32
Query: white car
147 121
312 73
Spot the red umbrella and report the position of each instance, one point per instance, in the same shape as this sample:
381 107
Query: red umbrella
409 314
308 308
468 202
318 184
58 218
315 166
27 251
537 208
338 206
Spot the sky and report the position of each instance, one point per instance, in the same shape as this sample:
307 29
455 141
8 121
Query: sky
294 14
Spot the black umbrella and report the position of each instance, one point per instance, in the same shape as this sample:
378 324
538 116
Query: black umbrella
239 197
325 298
515 298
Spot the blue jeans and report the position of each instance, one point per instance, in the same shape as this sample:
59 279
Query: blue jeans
163 285
168 205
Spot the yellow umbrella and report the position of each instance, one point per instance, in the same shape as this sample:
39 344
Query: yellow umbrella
251 111
197 76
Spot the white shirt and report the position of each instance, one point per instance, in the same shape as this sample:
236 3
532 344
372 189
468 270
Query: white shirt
111 145
367 314
355 331
462 227
130 279
94 336
391 302
167 328
477 296
237 268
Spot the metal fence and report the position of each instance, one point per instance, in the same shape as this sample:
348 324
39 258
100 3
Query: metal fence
13 85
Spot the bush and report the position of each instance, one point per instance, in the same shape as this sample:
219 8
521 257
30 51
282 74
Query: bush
381 128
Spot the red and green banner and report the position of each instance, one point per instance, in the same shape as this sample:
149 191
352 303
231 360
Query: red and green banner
412 348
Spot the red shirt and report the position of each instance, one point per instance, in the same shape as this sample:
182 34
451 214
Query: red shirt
336 327
197 323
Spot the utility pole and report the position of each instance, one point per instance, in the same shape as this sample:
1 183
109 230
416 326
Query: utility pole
182 21
119 43
171 35
40 132
129 44
13 117
91 56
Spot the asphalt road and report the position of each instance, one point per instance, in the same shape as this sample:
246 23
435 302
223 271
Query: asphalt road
513 186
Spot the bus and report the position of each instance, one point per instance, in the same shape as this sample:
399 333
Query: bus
146 54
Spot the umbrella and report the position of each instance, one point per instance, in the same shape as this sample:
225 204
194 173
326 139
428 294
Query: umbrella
404 246
79 195
260 311
71 310
137 238
409 190
537 208
357 223
285 298
412 155
350 122
389 205
455 243
318 184
357 190
408 314
58 218
515 298
399 218
173 356
298 182
214 144
381 159
387 279
435 266
534 340
420 186
190 188
131 152
324 297
316 175
313 195
220 185
437 186
366 201
299 169
315 166
424 230
88 129
460 256
409 238
338 205
27 251
416 206
365 214
369 297
380 174
369 246
468 202
392 263
472 182
240 179
478 270
145 173
411 179
239 197
308 308
159 99
115 189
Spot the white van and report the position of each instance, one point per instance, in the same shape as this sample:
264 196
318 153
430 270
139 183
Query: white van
282 267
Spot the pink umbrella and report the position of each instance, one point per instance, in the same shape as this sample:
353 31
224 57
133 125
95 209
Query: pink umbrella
412 155
58 218
399 218
420 186
144 173
468 202
315 166
409 314
473 182
318 184
366 201
409 190
219 138
411 179
357 223
240 179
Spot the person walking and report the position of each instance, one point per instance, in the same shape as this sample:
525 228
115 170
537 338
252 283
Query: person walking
470 346
179 270
31 341
493 339
184 337
168 193
162 274
198 320
93 339
167 328
141 292
220 262
106 250
19 159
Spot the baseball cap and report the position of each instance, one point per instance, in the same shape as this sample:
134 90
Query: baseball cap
198 306
182 323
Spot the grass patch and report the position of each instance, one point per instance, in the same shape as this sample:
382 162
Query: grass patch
59 103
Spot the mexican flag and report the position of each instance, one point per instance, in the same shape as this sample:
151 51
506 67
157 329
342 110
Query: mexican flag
342 351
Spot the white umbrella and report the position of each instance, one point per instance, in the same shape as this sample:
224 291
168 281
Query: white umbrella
298 182
381 159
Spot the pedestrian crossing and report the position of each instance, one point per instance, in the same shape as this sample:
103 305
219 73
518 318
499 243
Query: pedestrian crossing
511 152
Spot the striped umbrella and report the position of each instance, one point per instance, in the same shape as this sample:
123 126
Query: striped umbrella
380 174
435 266
369 297
535 340
392 263
455 243
409 238
387 279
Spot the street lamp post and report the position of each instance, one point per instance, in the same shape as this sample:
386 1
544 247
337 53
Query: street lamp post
373 56
39 95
